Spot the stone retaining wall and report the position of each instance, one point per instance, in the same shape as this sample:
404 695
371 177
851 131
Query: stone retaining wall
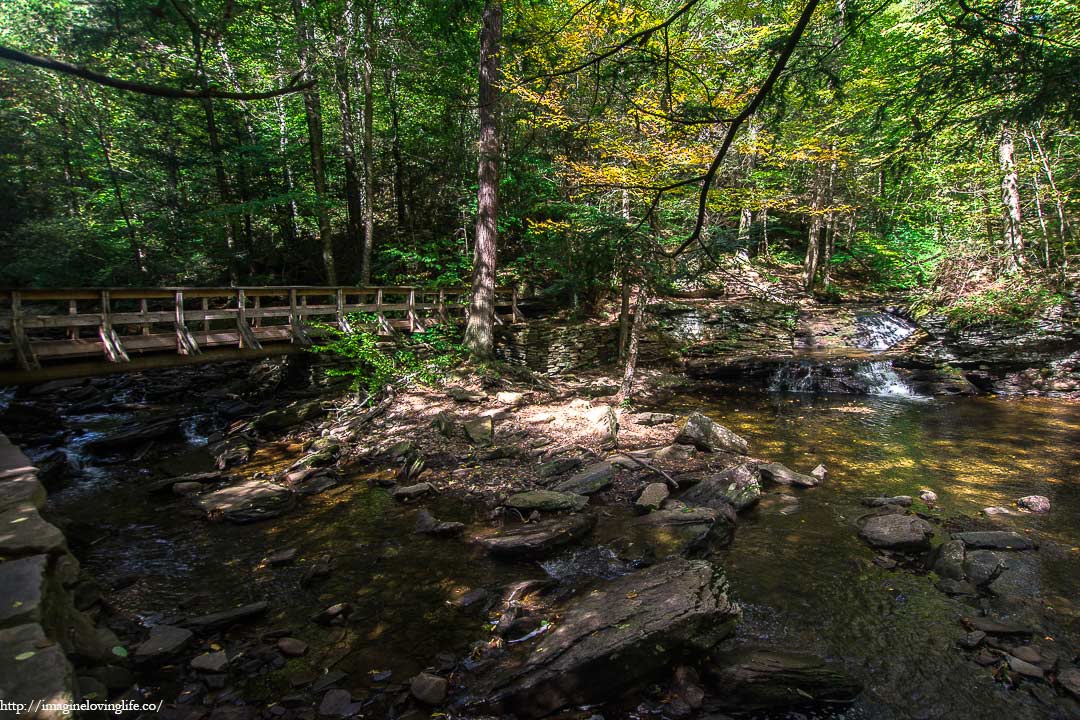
552 348
41 632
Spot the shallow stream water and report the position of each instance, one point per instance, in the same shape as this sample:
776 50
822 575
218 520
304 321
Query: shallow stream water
803 576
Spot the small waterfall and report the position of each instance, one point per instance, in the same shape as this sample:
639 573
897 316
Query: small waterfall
881 330
875 377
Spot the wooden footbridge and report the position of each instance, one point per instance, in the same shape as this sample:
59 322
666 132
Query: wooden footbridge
54 334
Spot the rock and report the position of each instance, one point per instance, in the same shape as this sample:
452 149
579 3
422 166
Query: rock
164 643
820 473
621 635
899 501
34 669
675 452
679 531
997 510
762 679
709 436
929 497
547 501
184 489
956 587
338 703
1025 669
54 470
460 394
513 399
558 466
235 450
783 475
337 612
246 502
948 560
25 532
281 557
538 538
136 435
445 424
288 416
592 479
601 388
212 662
1069 680
225 618
1026 653
480 431
982 566
1034 503
993 627
651 498
23 590
738 487
409 493
897 532
972 640
603 423
985 658
91 689
427 524
292 647
994 540
429 689
650 419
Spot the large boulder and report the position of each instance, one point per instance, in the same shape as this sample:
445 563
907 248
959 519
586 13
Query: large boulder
994 540
762 679
897 532
621 635
24 532
591 479
34 669
23 590
738 486
783 475
948 560
535 539
547 501
705 434
603 422
683 530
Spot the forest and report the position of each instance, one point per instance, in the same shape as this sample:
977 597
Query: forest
524 359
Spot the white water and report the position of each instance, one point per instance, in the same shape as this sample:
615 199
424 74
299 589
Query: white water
880 331
876 377
882 379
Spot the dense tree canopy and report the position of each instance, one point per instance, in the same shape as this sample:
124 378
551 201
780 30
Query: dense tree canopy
907 144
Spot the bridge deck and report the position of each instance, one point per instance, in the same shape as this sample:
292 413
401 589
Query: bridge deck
73 332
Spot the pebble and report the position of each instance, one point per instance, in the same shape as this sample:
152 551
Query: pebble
292 647
213 662
428 688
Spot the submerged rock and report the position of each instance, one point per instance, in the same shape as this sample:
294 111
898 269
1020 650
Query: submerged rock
994 540
537 538
138 434
428 524
708 435
621 635
411 492
897 532
651 498
246 502
899 501
429 689
762 679
225 618
783 475
680 531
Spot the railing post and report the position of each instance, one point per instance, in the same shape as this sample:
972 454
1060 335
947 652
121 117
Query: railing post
343 324
73 330
205 304
442 306
143 309
114 349
246 337
515 315
185 341
24 353
258 311
412 309
299 337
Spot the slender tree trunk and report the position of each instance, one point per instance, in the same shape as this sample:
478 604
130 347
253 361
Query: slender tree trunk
624 313
480 330
313 112
354 204
367 70
1013 240
817 224
636 328
395 148
1063 227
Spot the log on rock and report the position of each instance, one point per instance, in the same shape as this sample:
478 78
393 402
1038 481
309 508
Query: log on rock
763 679
538 538
623 634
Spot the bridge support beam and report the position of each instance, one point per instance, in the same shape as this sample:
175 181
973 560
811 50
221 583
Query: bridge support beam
24 353
185 341
114 349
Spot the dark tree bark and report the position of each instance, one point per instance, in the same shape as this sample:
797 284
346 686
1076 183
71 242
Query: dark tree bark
480 329
313 112
395 149
353 198
367 69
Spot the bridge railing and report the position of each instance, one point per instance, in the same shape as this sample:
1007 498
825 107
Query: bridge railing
45 325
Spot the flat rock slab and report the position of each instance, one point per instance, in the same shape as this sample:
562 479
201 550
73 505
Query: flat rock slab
994 627
165 641
591 480
762 679
710 436
135 435
218 620
649 419
22 590
898 500
995 540
680 531
22 489
537 538
558 466
33 669
24 532
783 475
547 501
897 532
738 487
428 524
249 501
409 493
620 635
651 498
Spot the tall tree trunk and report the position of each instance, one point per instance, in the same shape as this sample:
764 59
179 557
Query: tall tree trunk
367 69
817 224
480 330
354 204
637 325
313 112
1063 227
1013 240
395 147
